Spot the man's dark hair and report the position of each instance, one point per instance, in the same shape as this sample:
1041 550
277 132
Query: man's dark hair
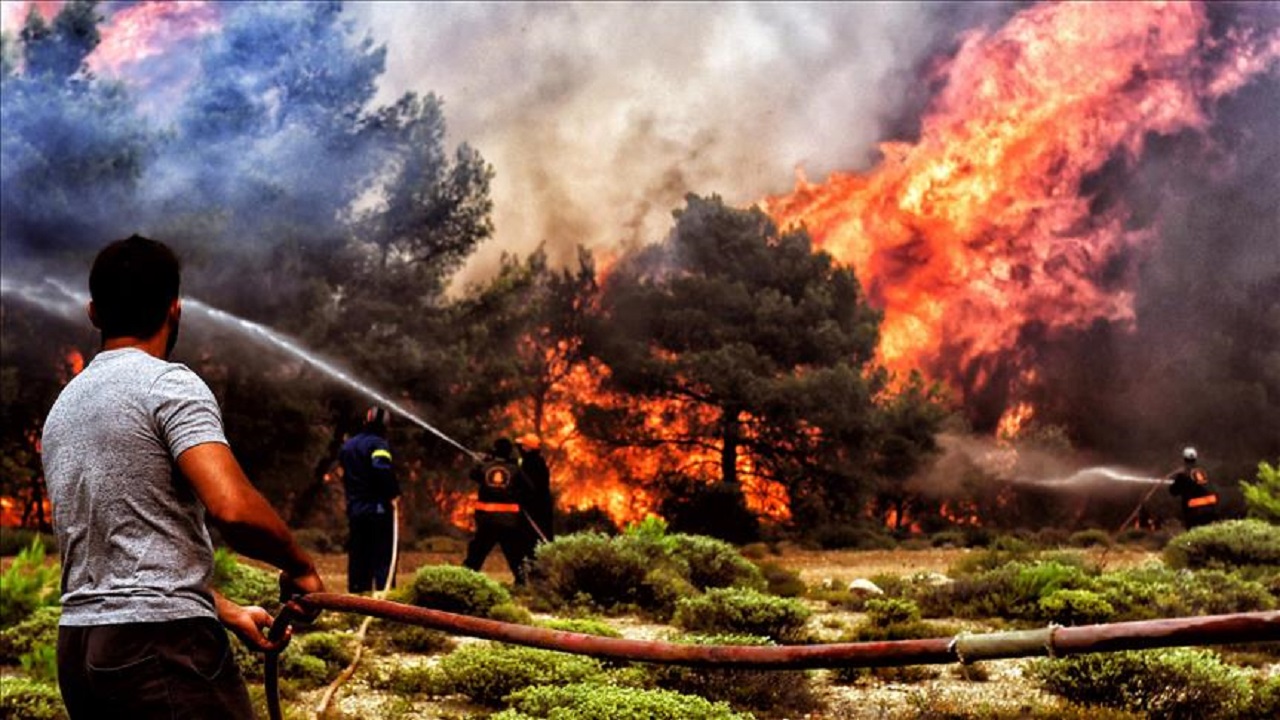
133 282
503 448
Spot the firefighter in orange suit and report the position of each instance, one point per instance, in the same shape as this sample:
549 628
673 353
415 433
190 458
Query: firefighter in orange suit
500 519
1198 497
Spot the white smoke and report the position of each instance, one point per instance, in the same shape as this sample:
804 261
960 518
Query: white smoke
599 118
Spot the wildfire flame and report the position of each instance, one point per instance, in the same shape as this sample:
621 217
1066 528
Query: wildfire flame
981 228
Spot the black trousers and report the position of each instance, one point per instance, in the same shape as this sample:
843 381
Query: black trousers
151 671
369 552
510 531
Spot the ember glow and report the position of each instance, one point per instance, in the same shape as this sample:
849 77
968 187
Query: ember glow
992 222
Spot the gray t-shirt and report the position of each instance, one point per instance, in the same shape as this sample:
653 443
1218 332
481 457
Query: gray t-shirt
130 529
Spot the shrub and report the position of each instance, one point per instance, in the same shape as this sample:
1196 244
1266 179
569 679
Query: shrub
592 701
1050 537
27 584
1075 607
782 581
1262 499
776 691
1090 538
1214 592
456 589
1190 684
410 638
41 663
588 569
715 563
947 538
488 672
244 584
756 551
745 611
584 626
38 628
335 649
1012 590
1002 551
891 611
406 679
29 699
1226 545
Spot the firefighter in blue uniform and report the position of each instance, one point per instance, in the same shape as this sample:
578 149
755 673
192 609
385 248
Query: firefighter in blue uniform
1196 495
500 510
372 492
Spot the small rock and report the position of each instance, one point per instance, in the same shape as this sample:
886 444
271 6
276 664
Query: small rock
863 587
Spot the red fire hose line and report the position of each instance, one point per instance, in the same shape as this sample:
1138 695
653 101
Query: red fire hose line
1053 641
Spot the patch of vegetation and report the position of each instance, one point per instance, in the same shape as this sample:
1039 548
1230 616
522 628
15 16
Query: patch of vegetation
890 619
37 629
1262 499
593 701
456 589
403 637
588 569
1090 538
584 626
785 692
1012 590
488 672
242 583
27 584
1226 545
852 537
782 581
714 563
744 611
1076 607
29 699
1179 684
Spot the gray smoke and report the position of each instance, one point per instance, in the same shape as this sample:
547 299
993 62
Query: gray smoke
599 117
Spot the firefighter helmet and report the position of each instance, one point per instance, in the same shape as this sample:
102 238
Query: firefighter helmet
375 416
1189 454
528 441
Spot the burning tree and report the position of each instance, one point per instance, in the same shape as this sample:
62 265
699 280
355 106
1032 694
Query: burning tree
762 350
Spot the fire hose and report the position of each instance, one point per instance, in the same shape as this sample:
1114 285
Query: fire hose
1051 641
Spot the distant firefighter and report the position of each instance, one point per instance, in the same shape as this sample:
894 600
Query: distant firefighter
503 492
371 490
1197 496
540 505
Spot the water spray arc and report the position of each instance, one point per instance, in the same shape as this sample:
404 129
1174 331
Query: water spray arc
57 298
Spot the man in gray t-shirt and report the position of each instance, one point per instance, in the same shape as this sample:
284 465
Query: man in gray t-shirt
135 459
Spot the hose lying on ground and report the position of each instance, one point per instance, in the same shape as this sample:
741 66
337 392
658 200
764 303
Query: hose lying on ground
1053 641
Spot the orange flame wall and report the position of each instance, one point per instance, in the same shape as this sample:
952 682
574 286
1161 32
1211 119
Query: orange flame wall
980 228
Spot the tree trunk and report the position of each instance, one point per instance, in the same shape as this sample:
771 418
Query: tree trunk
730 433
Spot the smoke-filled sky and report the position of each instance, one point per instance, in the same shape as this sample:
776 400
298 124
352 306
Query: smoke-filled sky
600 117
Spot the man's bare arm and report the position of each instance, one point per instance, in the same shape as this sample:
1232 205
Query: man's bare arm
243 515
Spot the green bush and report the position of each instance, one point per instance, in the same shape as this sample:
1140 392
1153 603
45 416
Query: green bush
456 589
891 611
782 581
244 584
409 638
27 584
592 701
41 663
38 628
715 563
1001 552
745 611
775 691
1076 607
29 699
588 569
1178 684
1090 538
1226 545
584 626
488 672
1012 590
1262 499
335 649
